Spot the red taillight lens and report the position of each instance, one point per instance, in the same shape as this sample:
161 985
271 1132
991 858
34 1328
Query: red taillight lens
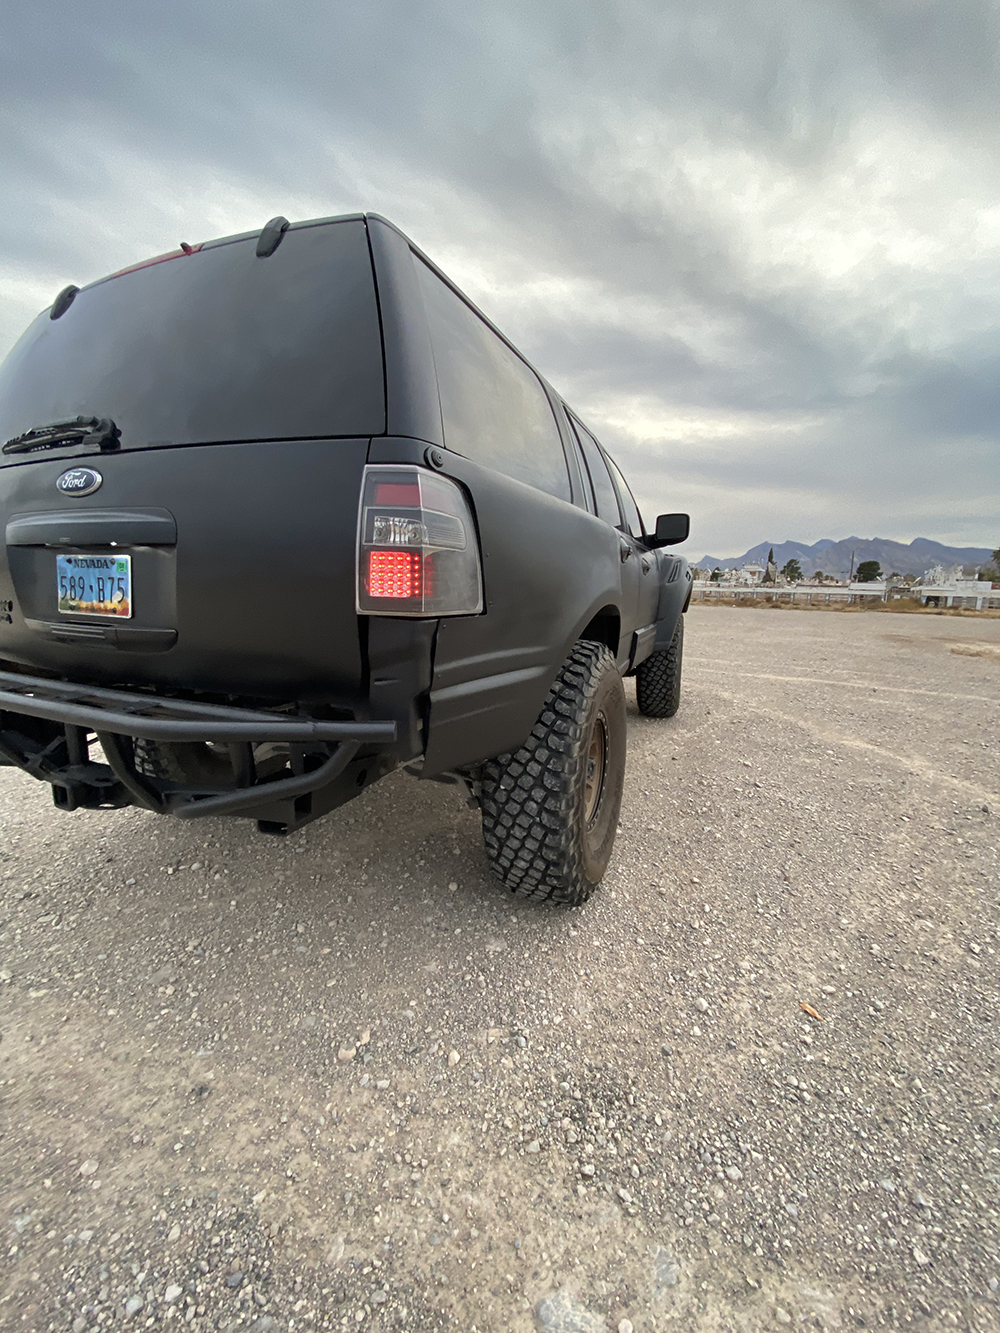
397 493
395 574
418 553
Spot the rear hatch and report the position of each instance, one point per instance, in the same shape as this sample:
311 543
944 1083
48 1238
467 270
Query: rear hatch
200 532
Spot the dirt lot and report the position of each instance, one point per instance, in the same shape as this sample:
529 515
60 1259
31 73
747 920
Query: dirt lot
342 1081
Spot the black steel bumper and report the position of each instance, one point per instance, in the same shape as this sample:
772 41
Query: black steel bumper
320 751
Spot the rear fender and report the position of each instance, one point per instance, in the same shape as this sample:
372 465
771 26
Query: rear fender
549 569
675 595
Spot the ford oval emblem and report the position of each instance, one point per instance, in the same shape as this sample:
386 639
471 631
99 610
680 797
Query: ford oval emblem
79 481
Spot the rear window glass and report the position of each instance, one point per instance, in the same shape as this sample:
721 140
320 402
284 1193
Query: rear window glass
494 408
217 345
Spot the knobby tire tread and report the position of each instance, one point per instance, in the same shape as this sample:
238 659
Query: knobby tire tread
658 679
529 798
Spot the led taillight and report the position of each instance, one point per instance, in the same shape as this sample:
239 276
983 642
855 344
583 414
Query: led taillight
412 524
395 574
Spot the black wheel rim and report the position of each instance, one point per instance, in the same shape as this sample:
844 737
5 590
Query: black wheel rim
597 767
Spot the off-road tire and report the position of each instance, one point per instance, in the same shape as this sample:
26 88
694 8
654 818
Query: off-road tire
658 679
186 763
536 802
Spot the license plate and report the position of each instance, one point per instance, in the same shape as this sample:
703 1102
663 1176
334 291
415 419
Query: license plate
94 585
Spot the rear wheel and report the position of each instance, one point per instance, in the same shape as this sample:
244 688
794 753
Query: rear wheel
658 679
550 810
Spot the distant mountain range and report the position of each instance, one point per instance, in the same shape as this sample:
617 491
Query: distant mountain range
832 557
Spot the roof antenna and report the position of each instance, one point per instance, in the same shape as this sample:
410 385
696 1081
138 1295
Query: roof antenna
270 238
188 249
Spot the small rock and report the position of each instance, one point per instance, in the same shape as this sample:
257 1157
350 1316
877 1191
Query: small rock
782 1316
701 1005
587 1169
533 1147
453 1058
234 1280
347 1053
379 1297
173 1293
365 1037
922 1259
665 1269
734 1173
625 1326
175 1232
888 1186
133 1305
624 1195
560 1313
792 1209
89 1167
452 886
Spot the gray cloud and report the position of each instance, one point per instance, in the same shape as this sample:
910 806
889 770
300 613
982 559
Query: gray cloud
756 244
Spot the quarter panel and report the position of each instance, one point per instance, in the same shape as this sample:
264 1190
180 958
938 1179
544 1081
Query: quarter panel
548 567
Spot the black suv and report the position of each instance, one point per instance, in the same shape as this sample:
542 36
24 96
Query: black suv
283 512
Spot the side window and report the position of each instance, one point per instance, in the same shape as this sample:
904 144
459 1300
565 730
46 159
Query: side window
604 491
578 461
494 408
632 516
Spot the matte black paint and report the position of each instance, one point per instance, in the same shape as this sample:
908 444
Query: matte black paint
259 587
244 556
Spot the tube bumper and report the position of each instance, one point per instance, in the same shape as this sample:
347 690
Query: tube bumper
45 726
153 718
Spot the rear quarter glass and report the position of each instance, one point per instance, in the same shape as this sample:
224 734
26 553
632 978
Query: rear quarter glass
212 346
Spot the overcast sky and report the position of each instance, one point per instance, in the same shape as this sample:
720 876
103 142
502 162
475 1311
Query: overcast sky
755 243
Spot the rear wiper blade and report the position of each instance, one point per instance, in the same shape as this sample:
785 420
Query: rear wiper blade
93 432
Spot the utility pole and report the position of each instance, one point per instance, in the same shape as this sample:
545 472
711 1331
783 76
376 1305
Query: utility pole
850 577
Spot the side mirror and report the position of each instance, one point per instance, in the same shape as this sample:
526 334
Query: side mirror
671 529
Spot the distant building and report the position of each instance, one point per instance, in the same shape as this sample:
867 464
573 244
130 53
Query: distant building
969 593
746 577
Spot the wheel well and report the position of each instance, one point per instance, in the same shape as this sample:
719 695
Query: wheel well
604 628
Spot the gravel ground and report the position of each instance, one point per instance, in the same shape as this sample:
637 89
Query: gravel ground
342 1081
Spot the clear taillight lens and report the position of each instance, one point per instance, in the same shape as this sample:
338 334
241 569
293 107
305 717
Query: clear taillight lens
417 548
